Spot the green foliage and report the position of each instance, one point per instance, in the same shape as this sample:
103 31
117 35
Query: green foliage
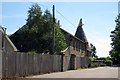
92 59
101 58
94 65
91 63
102 65
93 51
115 37
32 52
36 34
108 58
108 62
9 35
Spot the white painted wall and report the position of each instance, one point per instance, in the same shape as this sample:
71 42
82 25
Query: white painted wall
9 46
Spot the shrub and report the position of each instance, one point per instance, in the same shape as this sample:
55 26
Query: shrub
32 52
108 62
94 65
102 64
91 62
92 59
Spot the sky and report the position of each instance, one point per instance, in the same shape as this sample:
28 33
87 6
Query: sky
98 19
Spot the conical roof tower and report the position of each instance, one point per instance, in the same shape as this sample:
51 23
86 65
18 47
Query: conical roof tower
80 32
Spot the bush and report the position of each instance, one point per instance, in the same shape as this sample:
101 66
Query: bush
102 65
92 59
91 62
94 65
32 52
108 62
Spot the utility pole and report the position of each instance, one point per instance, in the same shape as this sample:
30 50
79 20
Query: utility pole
53 30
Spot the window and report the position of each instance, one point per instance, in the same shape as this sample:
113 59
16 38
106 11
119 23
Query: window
73 45
79 47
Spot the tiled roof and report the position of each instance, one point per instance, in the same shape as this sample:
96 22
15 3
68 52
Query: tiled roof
71 35
80 32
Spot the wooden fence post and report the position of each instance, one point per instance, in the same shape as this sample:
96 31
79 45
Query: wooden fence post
63 62
73 61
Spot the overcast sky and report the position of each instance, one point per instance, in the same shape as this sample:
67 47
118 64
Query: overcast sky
98 19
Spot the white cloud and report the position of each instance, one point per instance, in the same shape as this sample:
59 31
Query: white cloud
102 46
101 40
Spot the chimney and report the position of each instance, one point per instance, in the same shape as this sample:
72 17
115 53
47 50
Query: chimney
59 23
80 23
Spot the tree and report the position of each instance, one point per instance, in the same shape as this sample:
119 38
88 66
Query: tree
115 37
36 34
93 51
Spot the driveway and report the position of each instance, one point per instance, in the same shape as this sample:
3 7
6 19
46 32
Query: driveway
100 72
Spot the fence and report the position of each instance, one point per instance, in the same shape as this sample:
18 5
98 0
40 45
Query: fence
23 64
0 64
82 62
67 63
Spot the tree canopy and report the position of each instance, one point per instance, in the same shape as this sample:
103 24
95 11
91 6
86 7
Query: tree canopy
115 37
93 51
36 34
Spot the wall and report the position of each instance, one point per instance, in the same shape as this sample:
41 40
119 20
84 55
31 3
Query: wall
8 46
75 45
80 53
0 40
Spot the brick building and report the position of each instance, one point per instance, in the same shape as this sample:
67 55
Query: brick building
77 44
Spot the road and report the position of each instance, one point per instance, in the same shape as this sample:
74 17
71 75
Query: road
101 72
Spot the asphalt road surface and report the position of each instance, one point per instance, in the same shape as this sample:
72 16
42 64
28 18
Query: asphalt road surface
100 72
